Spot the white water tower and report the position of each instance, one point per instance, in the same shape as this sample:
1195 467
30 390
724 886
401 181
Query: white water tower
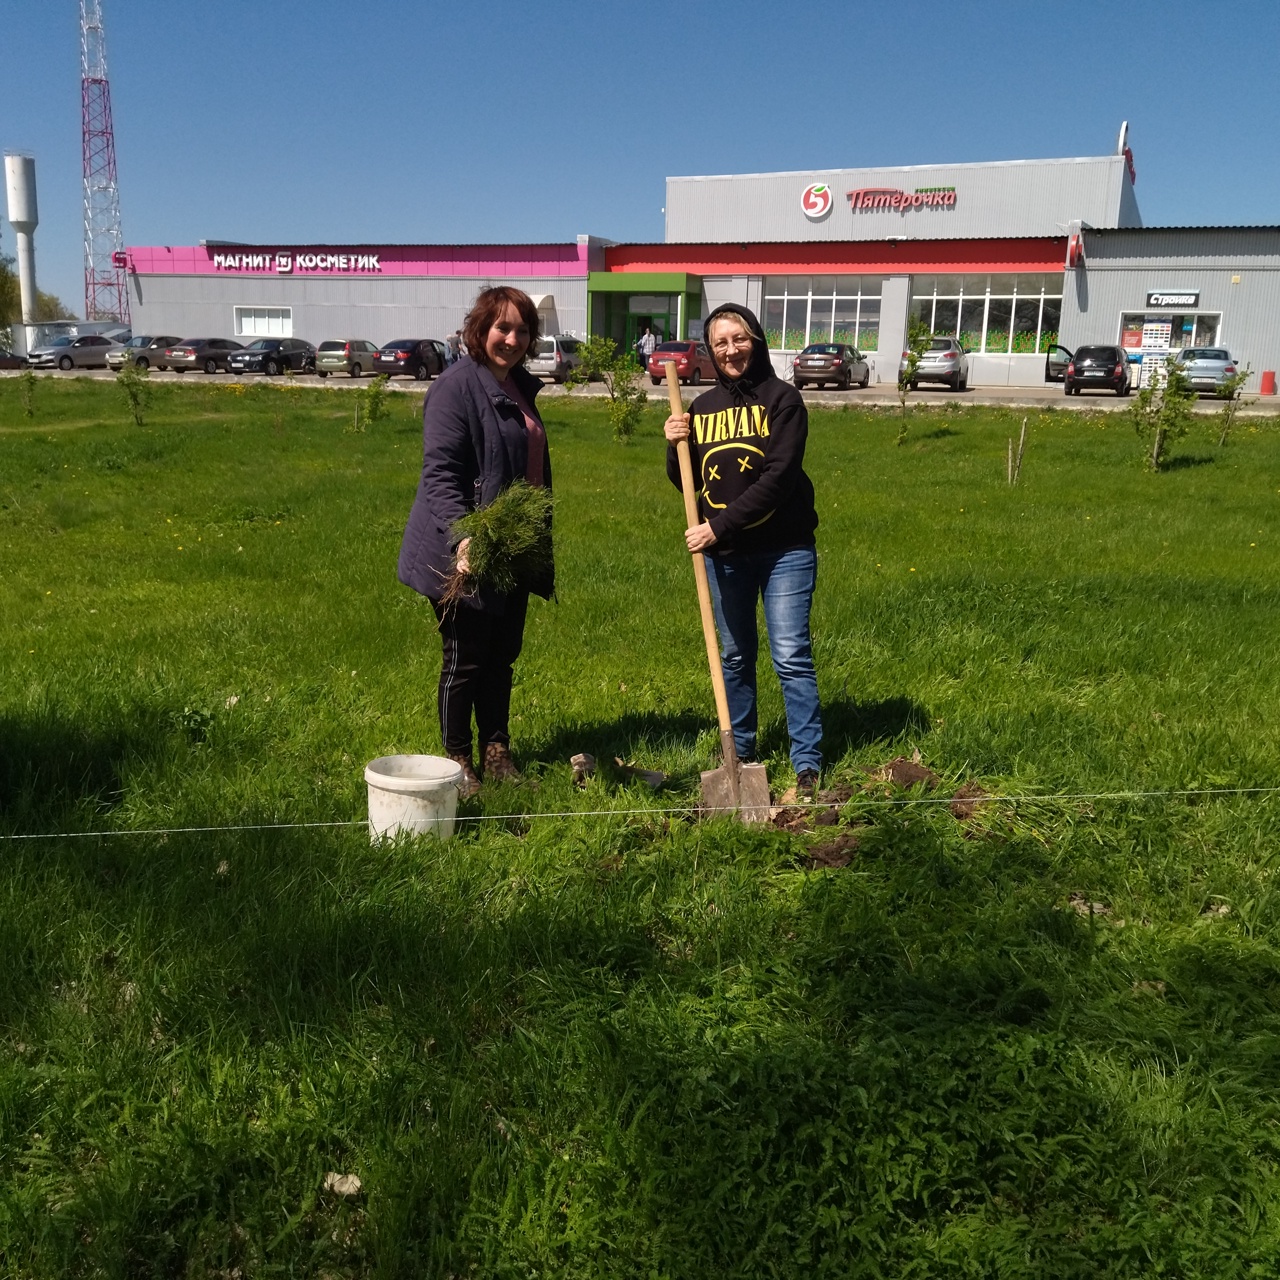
20 187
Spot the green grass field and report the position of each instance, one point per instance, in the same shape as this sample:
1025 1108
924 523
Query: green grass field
1042 1042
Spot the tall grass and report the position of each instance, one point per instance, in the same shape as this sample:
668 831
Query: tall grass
1039 1043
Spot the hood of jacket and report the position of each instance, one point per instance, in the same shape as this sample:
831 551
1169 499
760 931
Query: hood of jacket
761 367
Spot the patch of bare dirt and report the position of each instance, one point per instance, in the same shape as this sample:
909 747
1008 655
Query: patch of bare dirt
833 854
901 772
965 802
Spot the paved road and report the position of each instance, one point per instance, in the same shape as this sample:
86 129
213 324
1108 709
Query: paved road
1048 396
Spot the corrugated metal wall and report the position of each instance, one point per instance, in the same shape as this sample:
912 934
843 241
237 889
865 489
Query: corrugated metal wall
1014 198
1234 247
1235 270
379 310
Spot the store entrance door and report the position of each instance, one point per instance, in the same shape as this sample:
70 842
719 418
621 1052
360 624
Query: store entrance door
656 313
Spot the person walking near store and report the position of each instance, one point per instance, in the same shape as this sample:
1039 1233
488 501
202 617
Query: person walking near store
481 432
747 438
647 343
454 343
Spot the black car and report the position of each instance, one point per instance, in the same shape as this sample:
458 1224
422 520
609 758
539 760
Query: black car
273 356
1055 363
1098 368
418 358
9 361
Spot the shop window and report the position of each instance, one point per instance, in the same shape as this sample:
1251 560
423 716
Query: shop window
1167 331
999 325
774 311
946 316
971 317
802 309
820 318
868 338
1050 323
845 325
264 322
996 314
1026 325
793 334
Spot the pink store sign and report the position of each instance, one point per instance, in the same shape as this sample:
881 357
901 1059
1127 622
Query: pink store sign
489 261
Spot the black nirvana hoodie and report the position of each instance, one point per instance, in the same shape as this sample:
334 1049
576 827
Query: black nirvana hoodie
747 438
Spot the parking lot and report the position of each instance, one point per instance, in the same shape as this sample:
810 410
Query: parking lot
1048 396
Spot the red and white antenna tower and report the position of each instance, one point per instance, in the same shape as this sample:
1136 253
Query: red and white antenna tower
106 288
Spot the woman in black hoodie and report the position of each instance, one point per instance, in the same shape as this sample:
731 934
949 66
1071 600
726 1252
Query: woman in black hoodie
747 437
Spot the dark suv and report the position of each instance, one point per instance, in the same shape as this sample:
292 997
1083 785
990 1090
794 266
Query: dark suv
1098 368
418 358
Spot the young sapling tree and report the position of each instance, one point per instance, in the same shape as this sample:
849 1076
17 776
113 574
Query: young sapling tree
27 381
601 361
1161 411
1230 392
374 400
918 336
133 382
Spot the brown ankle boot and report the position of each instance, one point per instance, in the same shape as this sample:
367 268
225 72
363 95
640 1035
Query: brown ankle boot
469 783
498 764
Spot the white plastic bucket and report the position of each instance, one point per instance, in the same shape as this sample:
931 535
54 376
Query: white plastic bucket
415 795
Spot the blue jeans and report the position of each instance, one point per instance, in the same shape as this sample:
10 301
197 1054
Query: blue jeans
785 580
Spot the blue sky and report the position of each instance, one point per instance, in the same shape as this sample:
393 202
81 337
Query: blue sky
441 123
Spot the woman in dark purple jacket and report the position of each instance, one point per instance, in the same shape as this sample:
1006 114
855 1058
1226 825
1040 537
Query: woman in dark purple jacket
480 433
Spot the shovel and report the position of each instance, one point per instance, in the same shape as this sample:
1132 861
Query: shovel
741 789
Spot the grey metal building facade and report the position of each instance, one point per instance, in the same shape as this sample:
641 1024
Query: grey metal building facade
992 200
1013 258
1163 288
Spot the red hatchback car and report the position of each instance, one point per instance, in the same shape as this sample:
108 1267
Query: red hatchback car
692 360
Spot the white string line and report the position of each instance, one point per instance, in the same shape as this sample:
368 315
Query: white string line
862 800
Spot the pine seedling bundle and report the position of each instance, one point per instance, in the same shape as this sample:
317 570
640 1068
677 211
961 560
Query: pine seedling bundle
510 543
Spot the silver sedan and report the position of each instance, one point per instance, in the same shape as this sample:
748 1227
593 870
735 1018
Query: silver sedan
1208 368
86 352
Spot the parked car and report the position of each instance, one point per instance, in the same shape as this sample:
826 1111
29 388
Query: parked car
555 357
823 362
691 358
352 356
944 360
442 351
414 357
89 351
1208 368
142 351
273 356
9 361
209 354
1098 369
1055 363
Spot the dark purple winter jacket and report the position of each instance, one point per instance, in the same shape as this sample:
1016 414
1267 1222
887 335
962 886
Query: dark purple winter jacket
474 444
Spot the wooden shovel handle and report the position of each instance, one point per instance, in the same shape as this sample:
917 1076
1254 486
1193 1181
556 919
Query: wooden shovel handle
700 576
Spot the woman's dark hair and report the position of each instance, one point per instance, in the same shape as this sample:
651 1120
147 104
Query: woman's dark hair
488 306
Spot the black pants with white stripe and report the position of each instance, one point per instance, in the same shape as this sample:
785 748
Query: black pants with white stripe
475 676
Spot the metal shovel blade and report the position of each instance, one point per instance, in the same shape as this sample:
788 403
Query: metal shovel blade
748 800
